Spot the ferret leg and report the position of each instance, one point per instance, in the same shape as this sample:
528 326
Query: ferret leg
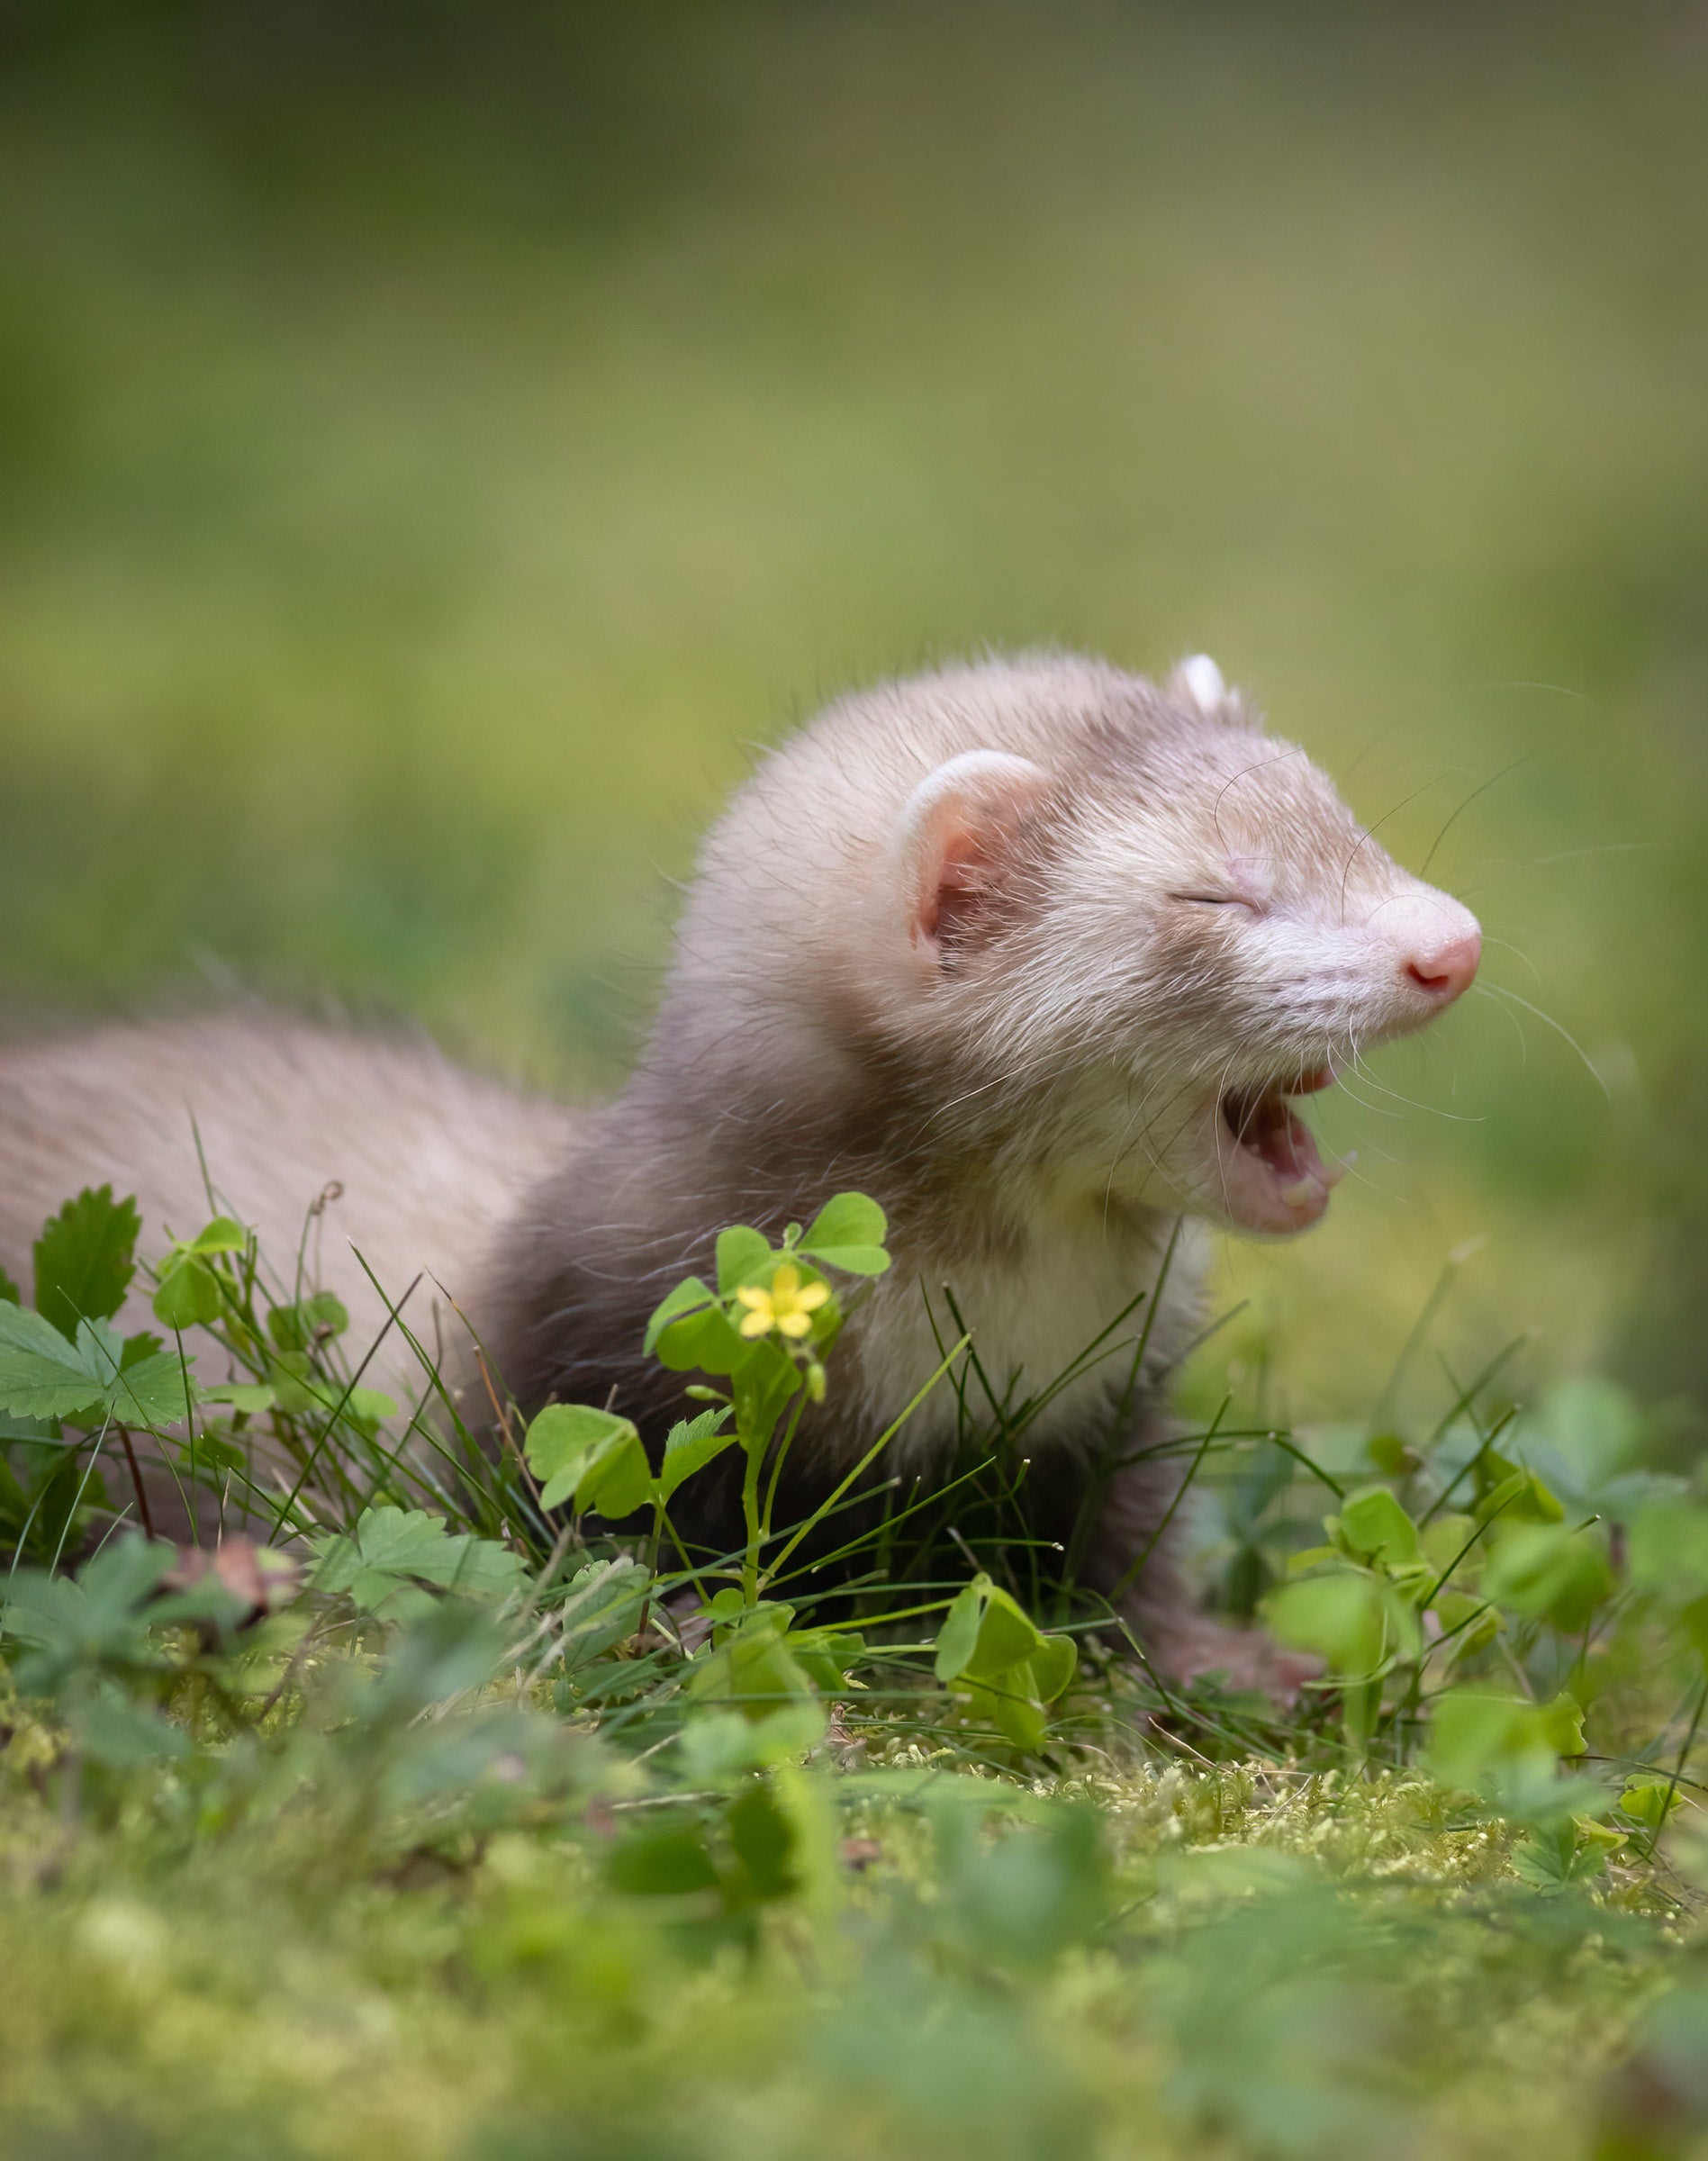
1136 1526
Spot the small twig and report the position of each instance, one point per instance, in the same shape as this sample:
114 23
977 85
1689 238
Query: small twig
143 1509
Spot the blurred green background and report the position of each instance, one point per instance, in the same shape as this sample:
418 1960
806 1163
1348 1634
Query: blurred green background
434 439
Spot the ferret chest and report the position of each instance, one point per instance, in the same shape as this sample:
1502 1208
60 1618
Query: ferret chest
1072 1298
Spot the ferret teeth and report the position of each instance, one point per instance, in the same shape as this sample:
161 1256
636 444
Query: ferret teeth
1301 1192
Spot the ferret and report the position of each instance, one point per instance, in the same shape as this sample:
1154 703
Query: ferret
1035 952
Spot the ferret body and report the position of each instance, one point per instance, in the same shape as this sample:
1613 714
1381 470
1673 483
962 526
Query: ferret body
1033 952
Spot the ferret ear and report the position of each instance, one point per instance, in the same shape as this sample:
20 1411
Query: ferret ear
1196 684
954 845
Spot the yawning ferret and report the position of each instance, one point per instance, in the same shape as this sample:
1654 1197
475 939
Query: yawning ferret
1033 952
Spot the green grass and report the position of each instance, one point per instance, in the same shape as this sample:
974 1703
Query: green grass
453 1834
431 446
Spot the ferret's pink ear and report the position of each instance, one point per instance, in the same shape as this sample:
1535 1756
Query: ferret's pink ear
1198 685
955 846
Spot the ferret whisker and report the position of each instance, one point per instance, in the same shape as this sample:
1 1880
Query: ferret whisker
1453 815
1499 991
1518 953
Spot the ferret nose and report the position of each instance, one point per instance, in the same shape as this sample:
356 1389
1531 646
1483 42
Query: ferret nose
1445 970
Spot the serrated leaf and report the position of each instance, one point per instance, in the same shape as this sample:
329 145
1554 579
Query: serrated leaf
85 1259
393 1550
148 1392
43 1376
10 1295
690 1446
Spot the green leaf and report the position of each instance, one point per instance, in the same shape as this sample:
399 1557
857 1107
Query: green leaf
764 1842
743 1255
1344 1618
691 1333
40 1374
1650 1801
249 1397
188 1293
1481 1740
559 1437
1548 1571
1445 1540
1373 1527
762 1383
85 1259
705 1342
848 1232
1567 1852
825 1654
958 1638
307 1323
222 1235
602 1609
148 1390
288 1373
1053 1665
690 1445
393 1552
688 1296
1667 1550
370 1405
1392 1455
984 1633
1515 1494
1469 1621
661 1864
717 1745
753 1669
10 1295
591 1454
43 1376
99 1621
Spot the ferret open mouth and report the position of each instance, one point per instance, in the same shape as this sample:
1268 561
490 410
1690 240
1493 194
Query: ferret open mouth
1272 1177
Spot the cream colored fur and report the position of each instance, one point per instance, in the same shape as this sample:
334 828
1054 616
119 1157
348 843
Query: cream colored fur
420 1161
1008 946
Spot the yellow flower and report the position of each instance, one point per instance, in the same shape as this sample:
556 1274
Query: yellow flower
787 1306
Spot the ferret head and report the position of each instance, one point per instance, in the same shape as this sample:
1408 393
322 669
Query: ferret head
1100 934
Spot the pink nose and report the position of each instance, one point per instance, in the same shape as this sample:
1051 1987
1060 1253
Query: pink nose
1444 973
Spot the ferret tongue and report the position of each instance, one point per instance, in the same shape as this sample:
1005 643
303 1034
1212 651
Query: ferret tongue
1286 1144
1288 1147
